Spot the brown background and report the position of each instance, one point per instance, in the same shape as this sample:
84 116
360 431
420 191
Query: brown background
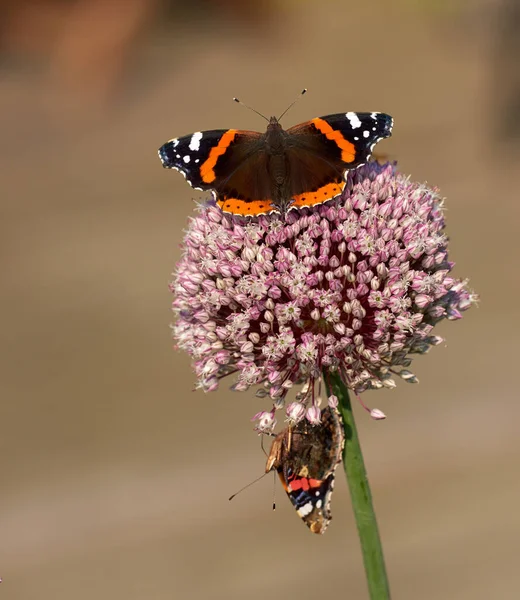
115 475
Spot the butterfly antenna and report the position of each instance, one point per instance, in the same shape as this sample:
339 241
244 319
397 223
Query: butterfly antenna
274 490
246 486
255 111
304 91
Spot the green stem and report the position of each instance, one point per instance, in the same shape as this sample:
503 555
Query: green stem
360 494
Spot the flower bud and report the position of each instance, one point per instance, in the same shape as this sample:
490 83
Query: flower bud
313 415
295 412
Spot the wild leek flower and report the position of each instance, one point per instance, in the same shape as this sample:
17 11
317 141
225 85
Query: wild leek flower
352 288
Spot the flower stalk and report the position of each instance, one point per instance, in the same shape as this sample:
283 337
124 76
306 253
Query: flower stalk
360 494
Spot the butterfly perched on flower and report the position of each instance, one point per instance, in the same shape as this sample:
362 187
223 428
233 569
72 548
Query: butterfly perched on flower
251 173
305 457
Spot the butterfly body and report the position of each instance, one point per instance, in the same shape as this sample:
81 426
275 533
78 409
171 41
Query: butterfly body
277 165
305 457
251 173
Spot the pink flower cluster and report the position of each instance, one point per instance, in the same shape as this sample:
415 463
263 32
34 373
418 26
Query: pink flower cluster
353 286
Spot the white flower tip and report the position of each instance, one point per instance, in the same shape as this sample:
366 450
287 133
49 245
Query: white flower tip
408 376
266 422
333 401
314 415
389 383
295 412
377 415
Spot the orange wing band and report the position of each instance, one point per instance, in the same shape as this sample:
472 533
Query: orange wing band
303 484
251 208
324 193
348 151
207 172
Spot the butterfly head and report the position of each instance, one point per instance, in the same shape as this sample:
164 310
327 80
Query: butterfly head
274 137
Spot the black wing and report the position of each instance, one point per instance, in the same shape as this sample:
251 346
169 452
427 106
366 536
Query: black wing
320 151
229 161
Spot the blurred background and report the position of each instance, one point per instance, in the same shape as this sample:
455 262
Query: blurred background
115 475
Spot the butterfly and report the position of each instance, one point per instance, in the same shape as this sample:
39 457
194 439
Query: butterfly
251 173
305 457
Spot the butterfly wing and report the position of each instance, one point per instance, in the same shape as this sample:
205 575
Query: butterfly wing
306 458
322 150
187 154
230 162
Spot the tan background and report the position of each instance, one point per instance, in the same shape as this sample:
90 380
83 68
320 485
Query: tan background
114 474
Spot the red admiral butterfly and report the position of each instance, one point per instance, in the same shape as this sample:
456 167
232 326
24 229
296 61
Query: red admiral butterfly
252 173
306 457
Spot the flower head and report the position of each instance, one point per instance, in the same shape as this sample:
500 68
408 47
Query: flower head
354 286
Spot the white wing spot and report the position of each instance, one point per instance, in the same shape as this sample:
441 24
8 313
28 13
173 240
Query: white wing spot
365 134
177 156
374 115
305 510
319 504
374 128
197 160
354 120
195 141
187 158
356 138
